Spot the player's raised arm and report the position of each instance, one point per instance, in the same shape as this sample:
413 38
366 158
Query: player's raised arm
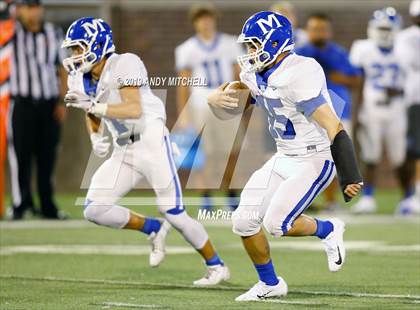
342 151
130 70
130 106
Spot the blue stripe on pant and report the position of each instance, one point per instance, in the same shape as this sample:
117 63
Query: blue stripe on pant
179 207
307 199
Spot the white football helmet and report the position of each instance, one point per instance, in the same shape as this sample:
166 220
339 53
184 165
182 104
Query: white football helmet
383 27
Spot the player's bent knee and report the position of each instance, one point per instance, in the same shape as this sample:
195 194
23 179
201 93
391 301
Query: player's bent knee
106 215
243 226
167 200
192 230
273 227
397 160
94 211
91 212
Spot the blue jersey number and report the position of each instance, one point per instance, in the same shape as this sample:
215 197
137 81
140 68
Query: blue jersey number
381 71
209 66
274 118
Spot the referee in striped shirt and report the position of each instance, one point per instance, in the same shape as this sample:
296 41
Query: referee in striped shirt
38 81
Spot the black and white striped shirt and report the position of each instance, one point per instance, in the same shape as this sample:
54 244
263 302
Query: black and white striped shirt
37 56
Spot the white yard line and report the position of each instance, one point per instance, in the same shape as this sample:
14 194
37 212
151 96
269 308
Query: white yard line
46 224
125 250
84 249
279 301
110 304
414 298
122 283
293 302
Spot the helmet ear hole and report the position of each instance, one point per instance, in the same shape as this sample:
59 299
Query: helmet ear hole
270 34
91 57
97 46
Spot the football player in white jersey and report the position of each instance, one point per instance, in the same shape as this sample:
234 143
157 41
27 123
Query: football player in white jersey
108 87
382 112
407 47
310 140
210 56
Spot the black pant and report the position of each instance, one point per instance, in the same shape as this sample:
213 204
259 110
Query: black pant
35 136
413 131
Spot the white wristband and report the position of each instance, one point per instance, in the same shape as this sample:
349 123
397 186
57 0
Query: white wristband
99 109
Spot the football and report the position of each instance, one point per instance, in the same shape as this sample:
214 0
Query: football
95 121
244 96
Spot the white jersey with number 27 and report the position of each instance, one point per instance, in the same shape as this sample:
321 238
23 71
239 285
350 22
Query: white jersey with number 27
381 70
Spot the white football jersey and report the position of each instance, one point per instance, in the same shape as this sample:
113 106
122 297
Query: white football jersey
381 71
290 92
407 49
120 70
210 62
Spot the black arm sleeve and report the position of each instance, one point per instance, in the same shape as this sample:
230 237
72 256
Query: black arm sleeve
345 161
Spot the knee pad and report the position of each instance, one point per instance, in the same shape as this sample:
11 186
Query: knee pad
106 215
92 210
243 225
274 228
192 230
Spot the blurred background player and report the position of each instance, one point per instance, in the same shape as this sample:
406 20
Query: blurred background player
288 10
341 77
407 50
135 117
38 81
382 113
6 48
210 56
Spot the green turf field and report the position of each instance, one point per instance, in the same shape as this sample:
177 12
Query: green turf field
77 265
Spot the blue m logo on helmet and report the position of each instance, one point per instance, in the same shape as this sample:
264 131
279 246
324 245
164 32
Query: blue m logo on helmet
266 35
89 39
